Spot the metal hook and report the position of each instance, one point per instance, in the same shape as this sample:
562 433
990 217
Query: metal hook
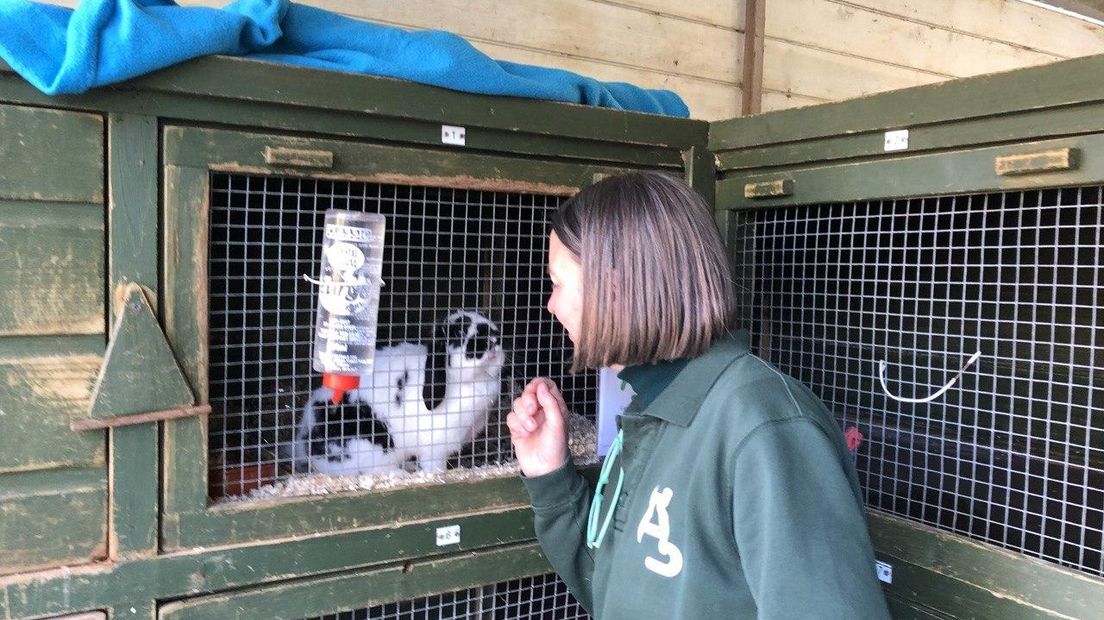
881 377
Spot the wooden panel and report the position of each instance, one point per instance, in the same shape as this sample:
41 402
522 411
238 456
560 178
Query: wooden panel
201 571
52 517
364 588
902 609
692 48
810 72
50 155
918 175
132 214
184 315
51 269
133 243
1020 24
857 32
244 152
587 29
43 381
1047 89
775 100
707 99
857 143
723 14
968 579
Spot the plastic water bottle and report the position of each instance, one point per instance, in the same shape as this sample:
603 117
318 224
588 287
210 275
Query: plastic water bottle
348 298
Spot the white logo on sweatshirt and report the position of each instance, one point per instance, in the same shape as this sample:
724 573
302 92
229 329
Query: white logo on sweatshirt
661 531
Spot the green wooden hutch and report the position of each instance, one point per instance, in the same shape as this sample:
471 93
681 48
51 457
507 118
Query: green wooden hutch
133 223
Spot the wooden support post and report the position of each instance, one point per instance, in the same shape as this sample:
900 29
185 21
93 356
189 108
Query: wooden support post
751 84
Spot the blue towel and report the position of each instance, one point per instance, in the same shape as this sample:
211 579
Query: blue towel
68 51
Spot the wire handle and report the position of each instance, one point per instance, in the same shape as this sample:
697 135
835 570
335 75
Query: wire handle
378 281
927 399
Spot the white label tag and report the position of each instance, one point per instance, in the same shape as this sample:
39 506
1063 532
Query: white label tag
448 535
885 571
613 397
896 140
452 135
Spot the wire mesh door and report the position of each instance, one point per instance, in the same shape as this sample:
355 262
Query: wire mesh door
462 326
528 598
879 305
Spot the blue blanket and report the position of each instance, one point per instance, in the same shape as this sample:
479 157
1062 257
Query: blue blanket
64 51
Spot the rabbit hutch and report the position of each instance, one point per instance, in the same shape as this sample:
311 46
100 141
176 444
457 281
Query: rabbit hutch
927 260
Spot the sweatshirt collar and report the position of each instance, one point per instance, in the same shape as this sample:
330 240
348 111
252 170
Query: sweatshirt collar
674 391
649 380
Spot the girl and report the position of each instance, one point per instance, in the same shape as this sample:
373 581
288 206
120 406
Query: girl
729 491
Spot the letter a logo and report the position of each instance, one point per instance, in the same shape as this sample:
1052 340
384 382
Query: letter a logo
660 529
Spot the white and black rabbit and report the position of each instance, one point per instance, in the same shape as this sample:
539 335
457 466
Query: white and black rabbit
423 402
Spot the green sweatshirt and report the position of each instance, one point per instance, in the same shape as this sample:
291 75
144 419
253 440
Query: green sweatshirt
740 500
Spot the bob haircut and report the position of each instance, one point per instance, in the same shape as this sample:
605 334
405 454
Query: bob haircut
657 282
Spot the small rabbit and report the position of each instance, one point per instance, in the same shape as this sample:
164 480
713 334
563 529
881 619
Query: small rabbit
422 402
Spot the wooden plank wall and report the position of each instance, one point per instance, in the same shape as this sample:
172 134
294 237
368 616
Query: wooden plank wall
692 47
814 50
828 50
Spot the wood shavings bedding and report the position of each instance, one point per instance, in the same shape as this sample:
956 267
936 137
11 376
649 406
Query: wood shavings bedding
582 442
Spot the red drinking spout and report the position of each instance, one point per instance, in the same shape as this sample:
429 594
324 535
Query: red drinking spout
340 384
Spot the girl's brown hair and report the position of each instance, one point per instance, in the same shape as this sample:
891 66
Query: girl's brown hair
657 282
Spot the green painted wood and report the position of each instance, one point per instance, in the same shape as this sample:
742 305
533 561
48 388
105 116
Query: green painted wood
700 174
970 579
184 302
359 125
364 589
135 502
938 575
245 152
132 258
1062 83
1020 126
902 609
238 522
50 155
203 570
238 78
133 202
133 610
44 381
51 269
85 615
139 373
918 175
52 517
337 103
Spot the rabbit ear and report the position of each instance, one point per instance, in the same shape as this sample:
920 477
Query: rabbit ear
433 391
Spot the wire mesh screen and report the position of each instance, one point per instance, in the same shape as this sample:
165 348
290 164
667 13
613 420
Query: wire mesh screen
462 325
528 598
1013 452
544 597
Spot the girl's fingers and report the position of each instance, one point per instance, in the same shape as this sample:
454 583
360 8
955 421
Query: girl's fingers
516 427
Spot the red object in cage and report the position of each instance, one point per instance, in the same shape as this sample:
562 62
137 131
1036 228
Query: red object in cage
240 479
854 438
340 384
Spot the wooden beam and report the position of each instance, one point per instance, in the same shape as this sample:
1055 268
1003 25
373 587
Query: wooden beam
751 84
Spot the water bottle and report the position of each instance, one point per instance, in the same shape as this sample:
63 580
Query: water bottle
348 298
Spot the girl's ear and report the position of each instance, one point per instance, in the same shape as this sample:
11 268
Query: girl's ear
433 392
